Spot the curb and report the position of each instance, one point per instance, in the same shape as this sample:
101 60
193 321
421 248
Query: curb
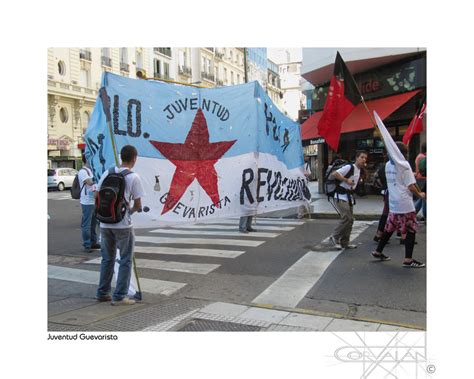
334 216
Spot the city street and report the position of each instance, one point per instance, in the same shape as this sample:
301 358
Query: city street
284 267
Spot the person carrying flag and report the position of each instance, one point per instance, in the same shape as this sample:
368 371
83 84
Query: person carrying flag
402 217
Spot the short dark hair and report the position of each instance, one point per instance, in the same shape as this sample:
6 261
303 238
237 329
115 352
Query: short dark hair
403 148
84 160
361 152
128 153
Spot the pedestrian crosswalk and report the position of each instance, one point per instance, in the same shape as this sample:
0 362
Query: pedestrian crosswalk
291 287
201 249
63 195
186 241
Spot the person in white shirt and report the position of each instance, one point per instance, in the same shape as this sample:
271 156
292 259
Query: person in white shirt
402 217
87 200
344 201
120 235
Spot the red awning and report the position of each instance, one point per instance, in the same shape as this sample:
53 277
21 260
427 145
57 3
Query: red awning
359 118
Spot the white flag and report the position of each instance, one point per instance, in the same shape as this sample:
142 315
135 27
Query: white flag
392 150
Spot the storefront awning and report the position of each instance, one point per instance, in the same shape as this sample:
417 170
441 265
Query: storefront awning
359 119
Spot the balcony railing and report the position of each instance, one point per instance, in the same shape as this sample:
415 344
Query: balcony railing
163 50
157 75
219 55
210 48
185 70
207 76
219 83
85 54
124 67
106 61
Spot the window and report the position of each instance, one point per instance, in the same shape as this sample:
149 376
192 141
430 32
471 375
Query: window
63 115
139 60
238 79
123 55
166 70
61 68
85 119
85 78
106 52
232 77
157 65
225 75
231 56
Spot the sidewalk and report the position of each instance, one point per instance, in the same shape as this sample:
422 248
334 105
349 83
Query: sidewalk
369 207
200 315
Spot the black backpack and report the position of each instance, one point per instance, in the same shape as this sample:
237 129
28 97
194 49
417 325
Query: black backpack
76 188
331 184
110 203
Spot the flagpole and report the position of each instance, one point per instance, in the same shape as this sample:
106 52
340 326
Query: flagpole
368 111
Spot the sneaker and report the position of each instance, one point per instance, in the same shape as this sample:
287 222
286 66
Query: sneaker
243 231
95 246
88 250
334 243
103 298
380 256
251 230
124 301
349 246
414 264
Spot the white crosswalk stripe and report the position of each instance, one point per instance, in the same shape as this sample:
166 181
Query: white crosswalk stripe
153 286
235 227
197 241
190 268
66 195
182 235
290 288
257 221
188 251
215 233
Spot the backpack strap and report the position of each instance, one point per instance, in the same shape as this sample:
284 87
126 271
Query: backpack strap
84 183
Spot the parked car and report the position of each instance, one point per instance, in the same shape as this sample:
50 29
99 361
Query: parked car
61 178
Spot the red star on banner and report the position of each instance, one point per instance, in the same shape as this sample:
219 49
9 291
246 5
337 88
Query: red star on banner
194 159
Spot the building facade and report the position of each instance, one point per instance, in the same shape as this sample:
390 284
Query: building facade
274 85
392 82
74 76
289 67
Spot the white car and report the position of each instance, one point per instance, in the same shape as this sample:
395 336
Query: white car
61 178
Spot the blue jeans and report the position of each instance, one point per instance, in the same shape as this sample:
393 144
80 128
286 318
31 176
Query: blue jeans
124 241
245 222
420 204
88 226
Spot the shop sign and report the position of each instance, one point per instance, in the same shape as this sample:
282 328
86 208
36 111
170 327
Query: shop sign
58 144
316 141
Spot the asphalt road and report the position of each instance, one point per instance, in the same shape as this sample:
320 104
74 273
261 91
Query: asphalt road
352 284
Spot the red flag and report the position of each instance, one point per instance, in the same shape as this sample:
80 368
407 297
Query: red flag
416 125
343 97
